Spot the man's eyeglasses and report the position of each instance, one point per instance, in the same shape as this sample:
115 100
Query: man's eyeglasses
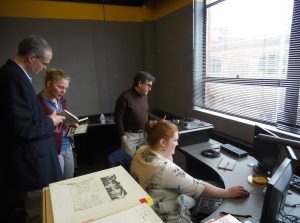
149 85
43 63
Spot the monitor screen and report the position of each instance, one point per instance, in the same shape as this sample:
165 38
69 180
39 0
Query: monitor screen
265 152
270 150
275 195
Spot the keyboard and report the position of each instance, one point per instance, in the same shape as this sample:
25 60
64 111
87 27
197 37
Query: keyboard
205 206
295 183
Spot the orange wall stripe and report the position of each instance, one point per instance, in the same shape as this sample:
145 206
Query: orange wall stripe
152 10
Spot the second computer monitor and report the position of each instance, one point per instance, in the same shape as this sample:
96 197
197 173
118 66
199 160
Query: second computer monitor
275 195
270 150
265 152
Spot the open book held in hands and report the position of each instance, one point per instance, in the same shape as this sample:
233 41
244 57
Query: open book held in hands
71 118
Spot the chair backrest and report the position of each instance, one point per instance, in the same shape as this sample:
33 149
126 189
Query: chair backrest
120 157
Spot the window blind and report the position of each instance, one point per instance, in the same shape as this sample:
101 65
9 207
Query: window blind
246 60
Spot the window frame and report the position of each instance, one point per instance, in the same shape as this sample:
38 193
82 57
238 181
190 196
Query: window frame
292 94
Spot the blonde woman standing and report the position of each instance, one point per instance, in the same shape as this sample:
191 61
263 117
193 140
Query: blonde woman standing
56 84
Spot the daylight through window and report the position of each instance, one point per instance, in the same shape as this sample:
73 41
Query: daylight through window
246 60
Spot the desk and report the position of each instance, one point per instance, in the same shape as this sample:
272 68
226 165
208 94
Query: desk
94 147
206 168
193 132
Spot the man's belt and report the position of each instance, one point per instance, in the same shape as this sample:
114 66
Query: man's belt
135 131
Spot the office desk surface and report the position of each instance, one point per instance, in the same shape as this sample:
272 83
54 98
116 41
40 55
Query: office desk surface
238 176
109 120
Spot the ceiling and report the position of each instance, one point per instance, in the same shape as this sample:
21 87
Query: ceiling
136 3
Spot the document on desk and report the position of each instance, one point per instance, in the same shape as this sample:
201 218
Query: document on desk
225 219
227 164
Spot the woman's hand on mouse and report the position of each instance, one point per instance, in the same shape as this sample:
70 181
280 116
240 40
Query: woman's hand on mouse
237 192
231 192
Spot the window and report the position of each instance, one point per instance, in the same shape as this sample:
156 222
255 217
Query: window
216 65
247 60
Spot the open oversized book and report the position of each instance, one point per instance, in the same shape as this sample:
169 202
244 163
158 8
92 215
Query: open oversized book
110 195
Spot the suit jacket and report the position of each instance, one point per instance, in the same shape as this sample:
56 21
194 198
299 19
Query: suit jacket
28 159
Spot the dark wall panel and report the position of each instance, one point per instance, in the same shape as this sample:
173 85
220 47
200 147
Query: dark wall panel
101 58
174 51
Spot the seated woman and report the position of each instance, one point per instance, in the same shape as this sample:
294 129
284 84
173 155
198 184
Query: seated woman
172 189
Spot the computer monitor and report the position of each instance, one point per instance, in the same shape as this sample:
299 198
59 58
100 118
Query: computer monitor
270 150
275 195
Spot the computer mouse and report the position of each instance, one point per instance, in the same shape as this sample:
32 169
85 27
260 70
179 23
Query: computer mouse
245 195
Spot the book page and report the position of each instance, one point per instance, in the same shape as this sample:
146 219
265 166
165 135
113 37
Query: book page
70 118
139 214
83 119
94 196
94 192
81 129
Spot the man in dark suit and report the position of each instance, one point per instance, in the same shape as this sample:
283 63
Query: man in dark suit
28 160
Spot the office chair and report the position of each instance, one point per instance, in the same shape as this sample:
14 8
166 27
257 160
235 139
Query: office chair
120 157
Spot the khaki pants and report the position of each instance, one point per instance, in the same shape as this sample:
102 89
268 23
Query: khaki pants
132 141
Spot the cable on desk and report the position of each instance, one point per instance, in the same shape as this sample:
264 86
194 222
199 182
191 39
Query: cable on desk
288 218
251 191
292 205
